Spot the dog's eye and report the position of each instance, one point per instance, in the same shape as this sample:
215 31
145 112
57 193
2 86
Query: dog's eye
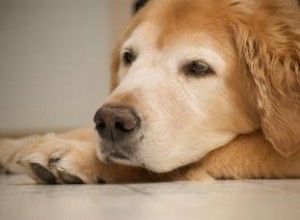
128 57
197 68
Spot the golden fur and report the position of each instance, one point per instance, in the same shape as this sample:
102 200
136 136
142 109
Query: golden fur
262 41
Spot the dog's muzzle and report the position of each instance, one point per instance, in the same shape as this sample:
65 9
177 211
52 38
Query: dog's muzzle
119 128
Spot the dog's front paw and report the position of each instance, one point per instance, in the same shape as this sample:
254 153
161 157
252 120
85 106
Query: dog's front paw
55 160
9 149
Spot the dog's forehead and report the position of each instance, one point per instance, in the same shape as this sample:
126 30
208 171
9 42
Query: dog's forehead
165 23
144 35
149 34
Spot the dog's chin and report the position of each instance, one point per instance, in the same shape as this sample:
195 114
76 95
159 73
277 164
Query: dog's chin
119 159
122 159
155 168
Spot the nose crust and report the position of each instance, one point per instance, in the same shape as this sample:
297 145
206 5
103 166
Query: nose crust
116 123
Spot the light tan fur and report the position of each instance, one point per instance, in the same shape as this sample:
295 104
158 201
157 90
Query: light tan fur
260 43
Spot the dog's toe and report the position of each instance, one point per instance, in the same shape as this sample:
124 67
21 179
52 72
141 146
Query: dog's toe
53 161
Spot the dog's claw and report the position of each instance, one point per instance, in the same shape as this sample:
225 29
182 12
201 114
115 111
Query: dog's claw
43 173
68 178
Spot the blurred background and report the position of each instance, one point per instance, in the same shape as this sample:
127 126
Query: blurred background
54 61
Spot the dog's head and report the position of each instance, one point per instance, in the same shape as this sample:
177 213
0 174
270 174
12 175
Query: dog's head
189 76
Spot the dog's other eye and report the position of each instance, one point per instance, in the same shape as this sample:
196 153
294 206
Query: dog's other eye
128 57
197 68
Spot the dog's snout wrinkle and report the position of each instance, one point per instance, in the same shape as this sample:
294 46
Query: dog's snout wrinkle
115 123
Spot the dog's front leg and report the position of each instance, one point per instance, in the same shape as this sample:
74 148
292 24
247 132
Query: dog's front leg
66 158
9 149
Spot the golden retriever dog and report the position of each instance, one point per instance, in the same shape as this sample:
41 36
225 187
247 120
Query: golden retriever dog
200 90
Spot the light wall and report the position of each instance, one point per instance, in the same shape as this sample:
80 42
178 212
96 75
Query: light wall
54 61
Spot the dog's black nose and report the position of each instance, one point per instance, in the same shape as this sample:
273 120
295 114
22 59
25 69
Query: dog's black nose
116 123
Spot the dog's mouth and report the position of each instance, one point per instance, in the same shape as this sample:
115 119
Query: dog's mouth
119 158
118 155
113 154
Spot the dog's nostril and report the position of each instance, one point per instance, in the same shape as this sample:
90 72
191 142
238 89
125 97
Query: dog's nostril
101 125
125 126
120 127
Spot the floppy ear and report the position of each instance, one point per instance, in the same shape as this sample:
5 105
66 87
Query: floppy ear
271 50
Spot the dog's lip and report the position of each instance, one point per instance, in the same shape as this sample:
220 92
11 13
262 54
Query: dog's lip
118 155
119 158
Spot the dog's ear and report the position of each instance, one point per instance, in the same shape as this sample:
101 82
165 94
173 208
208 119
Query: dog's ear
270 48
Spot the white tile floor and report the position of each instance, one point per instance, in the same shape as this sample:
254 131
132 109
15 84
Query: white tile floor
226 200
